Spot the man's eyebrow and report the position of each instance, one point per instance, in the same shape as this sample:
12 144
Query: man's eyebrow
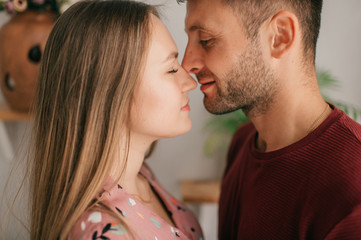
172 55
194 28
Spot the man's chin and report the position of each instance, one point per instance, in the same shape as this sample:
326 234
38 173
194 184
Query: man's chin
217 107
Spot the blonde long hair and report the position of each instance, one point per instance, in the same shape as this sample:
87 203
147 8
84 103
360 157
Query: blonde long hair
92 62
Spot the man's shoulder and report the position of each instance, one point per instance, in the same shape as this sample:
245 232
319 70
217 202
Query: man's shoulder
343 135
351 128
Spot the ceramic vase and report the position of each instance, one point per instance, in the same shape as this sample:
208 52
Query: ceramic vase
22 42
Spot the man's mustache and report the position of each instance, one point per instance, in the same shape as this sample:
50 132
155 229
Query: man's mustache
205 73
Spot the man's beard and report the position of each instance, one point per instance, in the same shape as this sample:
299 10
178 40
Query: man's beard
249 86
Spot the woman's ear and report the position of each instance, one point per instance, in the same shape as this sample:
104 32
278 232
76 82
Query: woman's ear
282 27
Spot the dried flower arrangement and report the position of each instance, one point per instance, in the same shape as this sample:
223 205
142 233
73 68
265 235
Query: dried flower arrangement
18 6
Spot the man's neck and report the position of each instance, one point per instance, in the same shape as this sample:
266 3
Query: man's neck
289 120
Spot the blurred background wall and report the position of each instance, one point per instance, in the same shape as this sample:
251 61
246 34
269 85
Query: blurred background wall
174 160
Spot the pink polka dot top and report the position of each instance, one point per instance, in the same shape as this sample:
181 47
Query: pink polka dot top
139 221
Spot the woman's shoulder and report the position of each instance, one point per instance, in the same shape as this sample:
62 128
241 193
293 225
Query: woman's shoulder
99 224
104 220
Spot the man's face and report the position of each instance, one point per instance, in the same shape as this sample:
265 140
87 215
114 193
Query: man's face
228 65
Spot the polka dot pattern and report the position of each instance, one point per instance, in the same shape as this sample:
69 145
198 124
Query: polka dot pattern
139 221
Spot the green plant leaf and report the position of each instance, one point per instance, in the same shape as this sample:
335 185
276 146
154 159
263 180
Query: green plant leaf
326 80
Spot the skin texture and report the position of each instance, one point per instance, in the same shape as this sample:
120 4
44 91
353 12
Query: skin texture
161 102
267 76
160 110
242 80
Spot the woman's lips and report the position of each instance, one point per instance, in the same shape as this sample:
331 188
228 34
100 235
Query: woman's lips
186 107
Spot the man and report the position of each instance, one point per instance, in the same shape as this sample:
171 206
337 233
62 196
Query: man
293 172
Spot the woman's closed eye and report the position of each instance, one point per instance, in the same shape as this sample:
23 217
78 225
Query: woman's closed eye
173 70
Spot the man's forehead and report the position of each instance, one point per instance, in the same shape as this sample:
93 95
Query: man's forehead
204 20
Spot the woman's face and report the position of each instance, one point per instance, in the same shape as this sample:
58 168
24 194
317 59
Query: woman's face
161 109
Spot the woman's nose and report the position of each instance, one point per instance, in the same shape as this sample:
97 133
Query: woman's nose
188 83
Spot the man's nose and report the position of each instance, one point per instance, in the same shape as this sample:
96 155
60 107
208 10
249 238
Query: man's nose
192 60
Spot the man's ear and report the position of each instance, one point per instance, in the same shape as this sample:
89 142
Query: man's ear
283 32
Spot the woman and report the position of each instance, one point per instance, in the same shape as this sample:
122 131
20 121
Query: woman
109 86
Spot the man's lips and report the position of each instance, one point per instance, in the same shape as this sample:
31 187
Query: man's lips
206 81
206 84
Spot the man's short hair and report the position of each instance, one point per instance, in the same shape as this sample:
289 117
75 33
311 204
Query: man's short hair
254 12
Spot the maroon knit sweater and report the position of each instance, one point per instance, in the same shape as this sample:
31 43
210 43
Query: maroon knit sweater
308 190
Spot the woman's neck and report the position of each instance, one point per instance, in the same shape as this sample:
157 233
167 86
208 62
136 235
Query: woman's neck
127 170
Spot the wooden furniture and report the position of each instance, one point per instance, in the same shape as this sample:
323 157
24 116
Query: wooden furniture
7 114
198 192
